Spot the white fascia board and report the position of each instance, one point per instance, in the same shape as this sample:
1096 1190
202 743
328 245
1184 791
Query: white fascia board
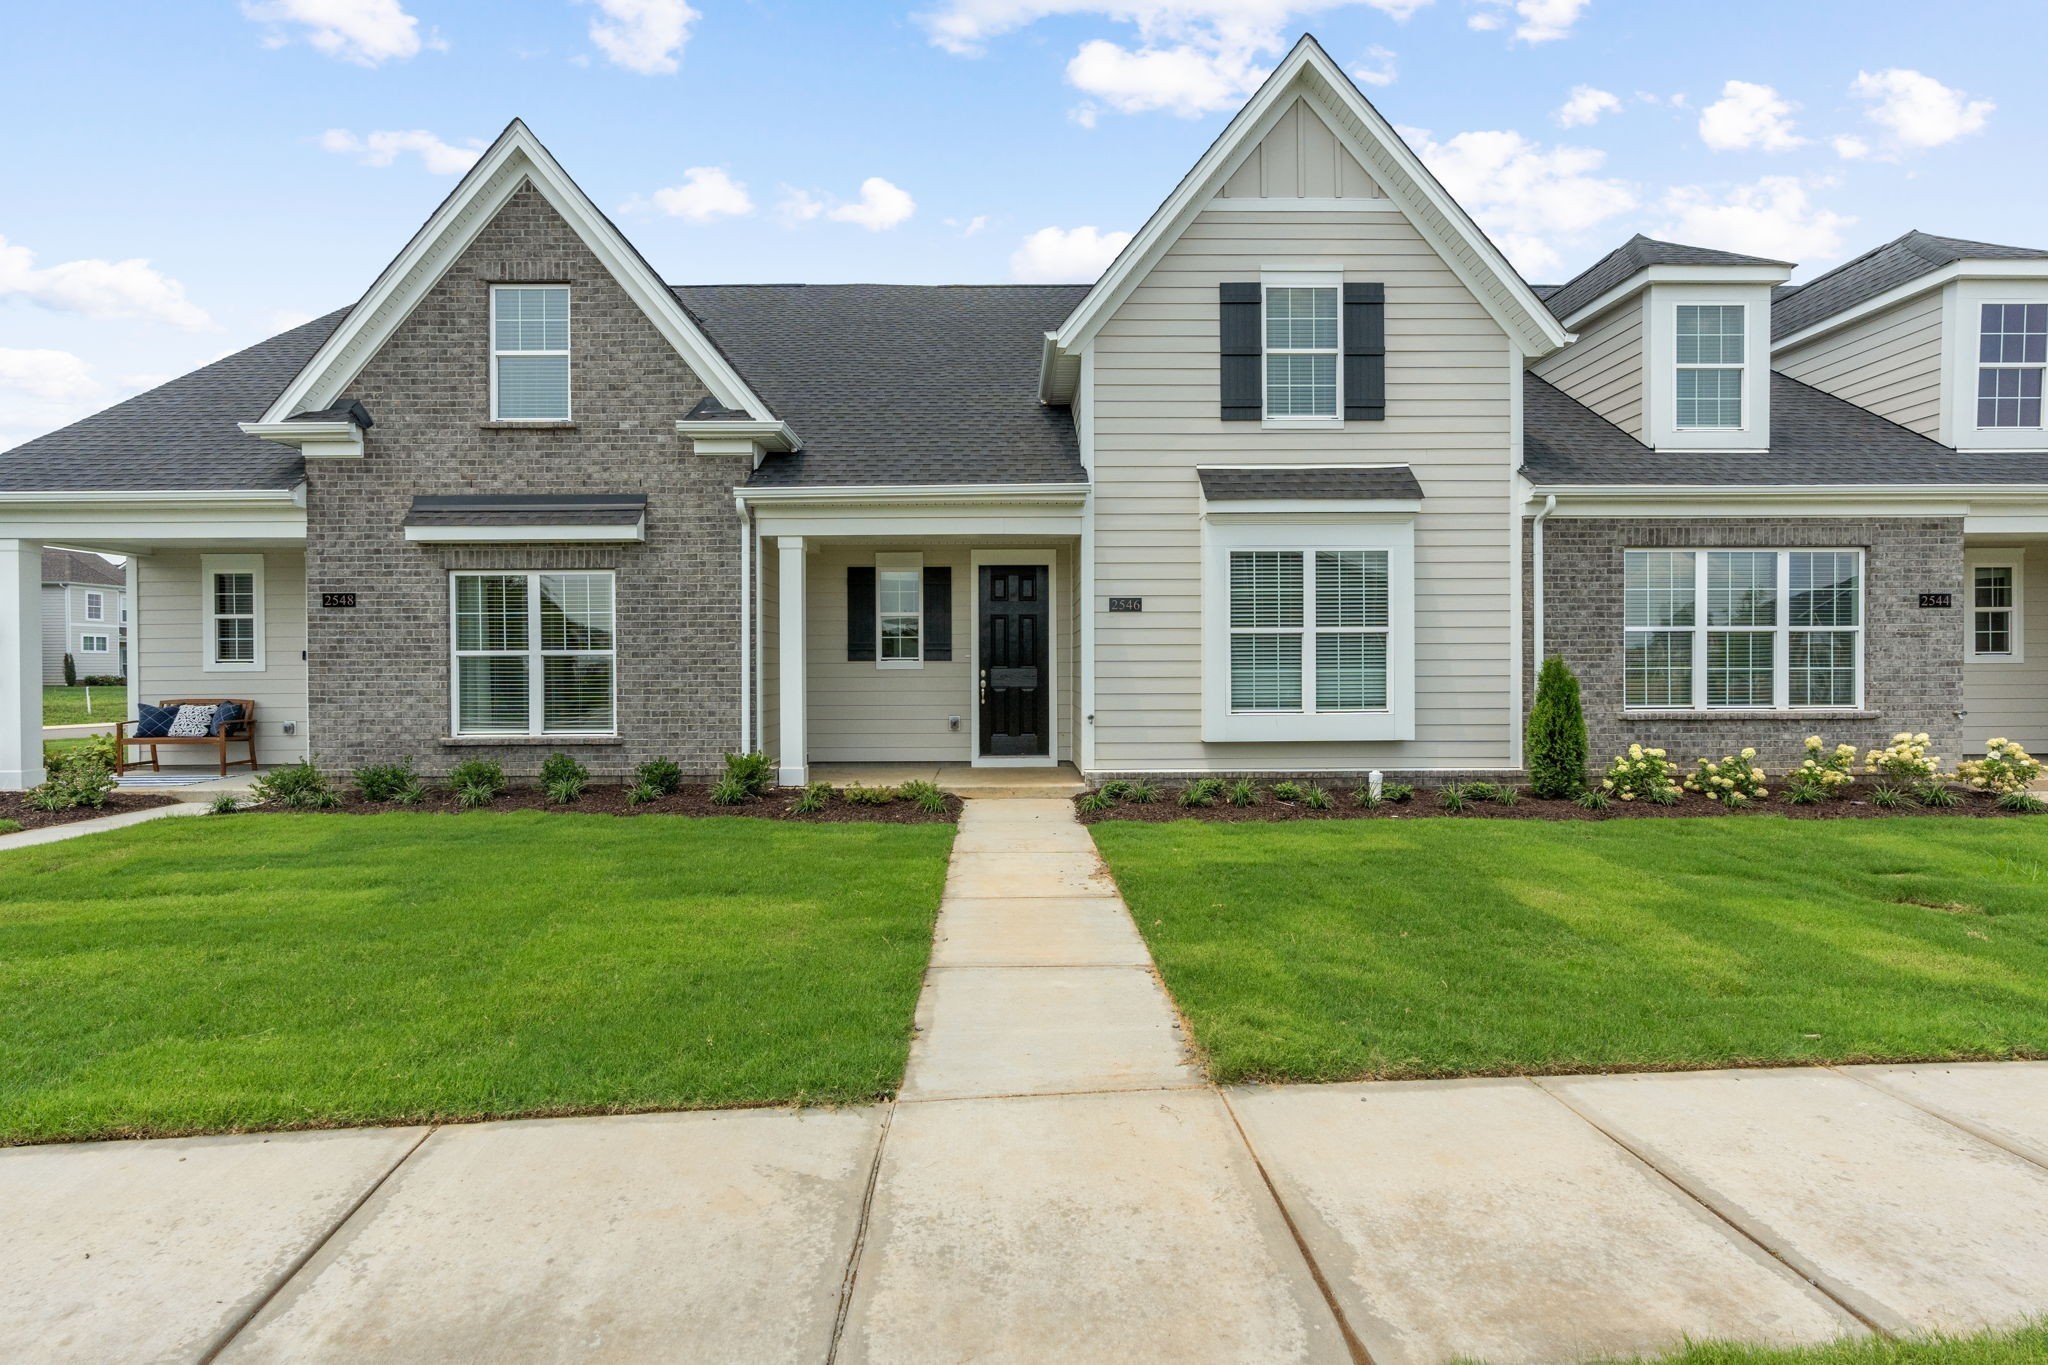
1308 70
314 440
1678 274
1817 500
769 434
526 535
1070 494
1311 509
516 157
1913 288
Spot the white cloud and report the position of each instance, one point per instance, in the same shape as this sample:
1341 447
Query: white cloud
1918 111
1185 79
1585 105
968 227
366 32
1773 217
1525 195
1851 148
99 289
881 206
1749 116
50 376
1065 255
1381 72
1537 21
384 148
646 36
707 192
798 206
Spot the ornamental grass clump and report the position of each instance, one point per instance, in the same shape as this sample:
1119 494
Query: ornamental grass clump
1905 760
1642 775
858 795
926 796
2005 768
816 796
1243 792
1090 803
296 786
477 782
1734 780
1314 797
1201 793
562 778
1822 772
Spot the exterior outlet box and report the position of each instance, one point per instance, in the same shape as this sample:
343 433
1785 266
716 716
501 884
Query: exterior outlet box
953 723
291 727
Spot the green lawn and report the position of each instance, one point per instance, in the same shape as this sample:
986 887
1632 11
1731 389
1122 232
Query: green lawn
2027 1346
1434 947
265 971
66 705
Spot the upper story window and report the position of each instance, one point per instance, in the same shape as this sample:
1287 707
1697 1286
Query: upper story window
1301 351
2012 350
1709 353
95 606
530 353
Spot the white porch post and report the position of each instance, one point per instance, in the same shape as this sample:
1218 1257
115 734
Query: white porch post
21 664
792 770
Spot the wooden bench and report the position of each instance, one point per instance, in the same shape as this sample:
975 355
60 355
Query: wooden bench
242 730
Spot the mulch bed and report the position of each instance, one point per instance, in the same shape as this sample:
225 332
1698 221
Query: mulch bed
1424 805
14 806
611 800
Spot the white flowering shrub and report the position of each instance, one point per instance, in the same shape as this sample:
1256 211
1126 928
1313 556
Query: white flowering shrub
2005 768
1823 771
1733 781
1904 760
1642 774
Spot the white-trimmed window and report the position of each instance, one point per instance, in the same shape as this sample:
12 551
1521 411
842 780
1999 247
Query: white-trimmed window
1995 623
1746 630
95 606
899 611
530 353
2012 353
1709 346
535 653
1303 321
92 644
231 603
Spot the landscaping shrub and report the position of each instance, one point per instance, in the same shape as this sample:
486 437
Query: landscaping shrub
297 786
1367 797
1243 792
663 776
1887 797
2022 801
1396 791
730 791
858 795
1506 794
755 771
383 781
1593 798
816 796
1314 797
1905 759
94 749
1289 793
224 804
1141 792
1555 738
1937 796
926 796
10 826
643 792
477 782
80 782
1481 791
103 680
1822 773
1452 798
562 778
1202 792
1115 789
1641 775
1733 780
1088 803
2005 767
70 670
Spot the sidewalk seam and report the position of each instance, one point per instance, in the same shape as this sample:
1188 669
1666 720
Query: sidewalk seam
1956 1121
860 1235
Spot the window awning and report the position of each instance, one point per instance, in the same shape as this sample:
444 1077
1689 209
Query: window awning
1310 483
523 518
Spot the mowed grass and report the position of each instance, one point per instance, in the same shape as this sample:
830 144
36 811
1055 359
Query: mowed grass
66 705
270 971
1439 947
2026 1346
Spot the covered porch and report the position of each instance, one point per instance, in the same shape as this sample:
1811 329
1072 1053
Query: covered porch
2003 617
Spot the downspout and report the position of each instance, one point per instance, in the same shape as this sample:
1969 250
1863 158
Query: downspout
1536 564
746 624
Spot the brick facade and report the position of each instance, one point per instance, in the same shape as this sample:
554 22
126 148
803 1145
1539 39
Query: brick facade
379 674
1913 658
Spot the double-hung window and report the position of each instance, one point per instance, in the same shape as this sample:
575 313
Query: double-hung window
1709 353
899 610
534 654
95 606
1995 582
231 601
1302 350
1742 629
2012 352
530 353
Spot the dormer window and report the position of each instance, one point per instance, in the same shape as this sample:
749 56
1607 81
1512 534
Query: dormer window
1709 353
2012 351
530 353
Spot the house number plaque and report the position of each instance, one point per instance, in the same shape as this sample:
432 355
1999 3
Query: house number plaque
1127 604
1937 599
337 599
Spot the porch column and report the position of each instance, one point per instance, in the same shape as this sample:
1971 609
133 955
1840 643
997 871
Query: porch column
21 664
792 770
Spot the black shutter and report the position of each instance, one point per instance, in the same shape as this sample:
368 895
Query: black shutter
860 612
1365 352
938 614
1240 325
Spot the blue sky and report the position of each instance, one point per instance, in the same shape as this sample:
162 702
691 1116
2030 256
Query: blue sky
186 178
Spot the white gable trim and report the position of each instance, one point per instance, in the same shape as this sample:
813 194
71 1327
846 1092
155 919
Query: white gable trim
1309 72
1913 288
516 158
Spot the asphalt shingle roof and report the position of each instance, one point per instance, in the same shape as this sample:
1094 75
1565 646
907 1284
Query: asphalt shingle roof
76 566
899 384
180 435
1878 271
1637 253
1316 482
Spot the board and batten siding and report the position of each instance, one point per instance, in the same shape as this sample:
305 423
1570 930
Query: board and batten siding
1604 368
1890 363
2010 700
1155 420
172 645
1300 158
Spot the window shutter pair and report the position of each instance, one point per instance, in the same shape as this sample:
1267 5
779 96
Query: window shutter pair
1241 318
860 613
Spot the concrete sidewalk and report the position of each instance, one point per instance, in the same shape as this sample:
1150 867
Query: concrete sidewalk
1056 1182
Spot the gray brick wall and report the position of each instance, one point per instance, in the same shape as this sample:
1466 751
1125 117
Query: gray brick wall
379 674
1913 658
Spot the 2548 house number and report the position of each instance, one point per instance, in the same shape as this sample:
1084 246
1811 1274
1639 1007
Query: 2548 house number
337 599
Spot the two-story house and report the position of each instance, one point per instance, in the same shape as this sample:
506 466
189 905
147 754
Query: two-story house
1307 482
85 615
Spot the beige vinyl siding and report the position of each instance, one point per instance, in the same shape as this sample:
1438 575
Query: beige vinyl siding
172 648
1300 158
55 629
1890 363
1156 420
2010 700
1604 368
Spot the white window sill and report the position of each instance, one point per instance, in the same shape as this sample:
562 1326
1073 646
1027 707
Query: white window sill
1301 424
1995 659
527 424
557 741
899 663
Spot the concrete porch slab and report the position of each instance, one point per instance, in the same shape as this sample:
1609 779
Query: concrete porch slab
1079 1228
1047 1030
963 778
1914 1223
1484 1220
1087 931
2006 1102
154 1250
998 876
1033 811
715 1236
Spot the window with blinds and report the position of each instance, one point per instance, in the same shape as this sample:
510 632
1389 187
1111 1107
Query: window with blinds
1742 629
534 653
1308 630
1711 338
530 353
1301 351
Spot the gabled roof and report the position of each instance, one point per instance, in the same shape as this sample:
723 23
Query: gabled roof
900 384
1308 71
1638 253
77 566
1877 272
516 158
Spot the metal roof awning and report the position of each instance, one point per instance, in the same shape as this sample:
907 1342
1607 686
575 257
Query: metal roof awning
526 518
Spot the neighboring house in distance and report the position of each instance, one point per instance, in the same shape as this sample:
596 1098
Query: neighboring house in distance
1307 482
85 615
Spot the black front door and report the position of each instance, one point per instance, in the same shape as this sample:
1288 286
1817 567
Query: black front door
1015 681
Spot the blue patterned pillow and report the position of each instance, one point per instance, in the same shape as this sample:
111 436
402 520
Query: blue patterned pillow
226 713
153 722
192 722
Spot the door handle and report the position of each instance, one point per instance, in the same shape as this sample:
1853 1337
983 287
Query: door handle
984 687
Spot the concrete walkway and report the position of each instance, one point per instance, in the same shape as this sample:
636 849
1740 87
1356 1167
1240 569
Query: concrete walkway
1055 1182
